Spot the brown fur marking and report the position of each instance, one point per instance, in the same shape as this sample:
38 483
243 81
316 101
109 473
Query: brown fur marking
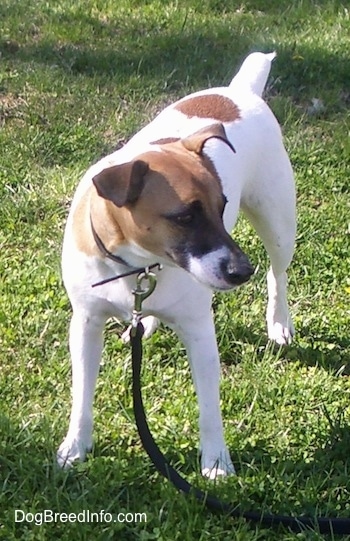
175 178
91 206
213 106
81 231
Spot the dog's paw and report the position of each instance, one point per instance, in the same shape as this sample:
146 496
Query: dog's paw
71 450
280 327
150 323
280 333
215 467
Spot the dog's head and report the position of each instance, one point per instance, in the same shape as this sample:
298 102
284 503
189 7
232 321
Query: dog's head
169 202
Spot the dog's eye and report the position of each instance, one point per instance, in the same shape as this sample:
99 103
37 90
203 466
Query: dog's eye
188 216
184 219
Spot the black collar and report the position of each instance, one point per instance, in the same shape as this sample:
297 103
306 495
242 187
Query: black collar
132 270
104 250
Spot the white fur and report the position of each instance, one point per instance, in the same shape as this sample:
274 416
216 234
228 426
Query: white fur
258 179
254 72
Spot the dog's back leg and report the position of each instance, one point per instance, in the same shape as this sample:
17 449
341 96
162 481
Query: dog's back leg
271 210
150 324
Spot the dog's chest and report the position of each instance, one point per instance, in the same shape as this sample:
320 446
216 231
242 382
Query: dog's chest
176 295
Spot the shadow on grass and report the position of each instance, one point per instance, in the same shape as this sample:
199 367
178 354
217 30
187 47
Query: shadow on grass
307 485
117 484
180 57
327 352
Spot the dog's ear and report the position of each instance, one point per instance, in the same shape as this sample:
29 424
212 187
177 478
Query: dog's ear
197 140
121 184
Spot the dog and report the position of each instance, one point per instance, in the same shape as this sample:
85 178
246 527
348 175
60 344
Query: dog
172 195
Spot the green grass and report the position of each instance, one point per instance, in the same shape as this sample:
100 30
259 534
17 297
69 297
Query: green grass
76 80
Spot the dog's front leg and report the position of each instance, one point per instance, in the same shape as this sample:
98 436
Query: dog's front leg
200 341
85 342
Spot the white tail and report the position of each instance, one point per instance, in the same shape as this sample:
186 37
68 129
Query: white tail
254 72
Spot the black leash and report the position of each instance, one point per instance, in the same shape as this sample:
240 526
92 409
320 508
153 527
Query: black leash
126 274
325 525
145 284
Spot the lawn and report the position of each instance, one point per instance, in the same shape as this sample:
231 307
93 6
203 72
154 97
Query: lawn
77 79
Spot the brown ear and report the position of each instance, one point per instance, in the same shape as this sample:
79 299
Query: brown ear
197 140
121 184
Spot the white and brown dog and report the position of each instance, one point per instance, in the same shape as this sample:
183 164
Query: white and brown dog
171 195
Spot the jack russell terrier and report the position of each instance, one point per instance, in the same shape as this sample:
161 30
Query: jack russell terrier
171 195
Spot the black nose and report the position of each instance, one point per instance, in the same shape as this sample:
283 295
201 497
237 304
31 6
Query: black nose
236 270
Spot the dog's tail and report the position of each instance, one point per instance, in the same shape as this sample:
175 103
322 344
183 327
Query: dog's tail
254 72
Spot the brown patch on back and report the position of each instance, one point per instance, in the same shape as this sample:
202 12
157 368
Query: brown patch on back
213 106
165 141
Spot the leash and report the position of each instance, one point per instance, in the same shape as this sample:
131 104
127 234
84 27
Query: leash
325 525
145 284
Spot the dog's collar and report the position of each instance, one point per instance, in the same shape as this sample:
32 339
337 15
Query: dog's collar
132 270
103 249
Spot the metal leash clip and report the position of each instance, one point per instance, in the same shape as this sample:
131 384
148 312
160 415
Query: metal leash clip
140 294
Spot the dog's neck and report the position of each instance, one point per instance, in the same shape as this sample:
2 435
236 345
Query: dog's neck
104 251
94 236
108 238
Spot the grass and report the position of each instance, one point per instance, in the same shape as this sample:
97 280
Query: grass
76 80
